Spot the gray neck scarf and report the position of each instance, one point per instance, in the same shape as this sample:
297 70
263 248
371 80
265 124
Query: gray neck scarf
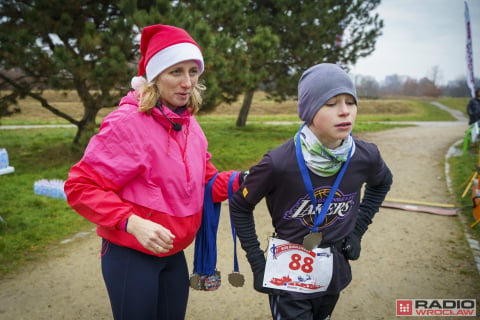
320 160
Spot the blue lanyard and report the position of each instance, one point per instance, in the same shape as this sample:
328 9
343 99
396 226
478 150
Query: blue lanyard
319 218
234 233
205 254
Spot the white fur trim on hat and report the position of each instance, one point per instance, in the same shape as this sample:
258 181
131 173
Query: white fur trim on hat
173 55
137 83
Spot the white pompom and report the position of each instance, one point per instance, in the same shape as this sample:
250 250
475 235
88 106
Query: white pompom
138 82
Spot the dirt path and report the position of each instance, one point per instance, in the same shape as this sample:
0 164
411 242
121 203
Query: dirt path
406 255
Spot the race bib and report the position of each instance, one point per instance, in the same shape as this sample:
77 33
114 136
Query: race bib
291 267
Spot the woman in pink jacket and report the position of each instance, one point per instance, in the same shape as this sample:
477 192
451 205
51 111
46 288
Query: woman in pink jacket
142 178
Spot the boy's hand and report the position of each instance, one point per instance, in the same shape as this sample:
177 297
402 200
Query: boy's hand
351 246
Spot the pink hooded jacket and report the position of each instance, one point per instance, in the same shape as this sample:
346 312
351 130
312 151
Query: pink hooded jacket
137 164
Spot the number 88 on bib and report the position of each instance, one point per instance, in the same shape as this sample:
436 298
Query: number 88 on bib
291 267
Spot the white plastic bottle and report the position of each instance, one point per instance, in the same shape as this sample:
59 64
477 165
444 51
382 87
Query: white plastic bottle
3 158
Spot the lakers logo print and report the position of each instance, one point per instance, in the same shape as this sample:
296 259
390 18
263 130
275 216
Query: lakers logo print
303 210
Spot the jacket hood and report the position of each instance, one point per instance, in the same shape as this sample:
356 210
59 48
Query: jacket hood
182 118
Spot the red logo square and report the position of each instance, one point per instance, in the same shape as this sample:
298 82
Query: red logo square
404 307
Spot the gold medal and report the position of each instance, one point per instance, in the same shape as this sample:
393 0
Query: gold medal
236 279
196 282
312 240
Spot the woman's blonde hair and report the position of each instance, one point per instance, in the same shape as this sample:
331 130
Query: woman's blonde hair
149 96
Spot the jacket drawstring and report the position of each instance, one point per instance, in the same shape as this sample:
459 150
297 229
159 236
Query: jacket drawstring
187 131
168 140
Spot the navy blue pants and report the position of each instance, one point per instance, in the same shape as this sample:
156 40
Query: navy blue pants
145 287
285 308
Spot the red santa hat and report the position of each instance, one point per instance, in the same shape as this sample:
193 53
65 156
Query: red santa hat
162 46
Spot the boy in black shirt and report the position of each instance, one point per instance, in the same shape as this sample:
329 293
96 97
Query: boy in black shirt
312 185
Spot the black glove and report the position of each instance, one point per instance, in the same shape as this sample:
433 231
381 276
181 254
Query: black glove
258 269
371 202
351 246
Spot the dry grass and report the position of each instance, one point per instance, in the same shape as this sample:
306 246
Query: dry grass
65 101
263 106
69 103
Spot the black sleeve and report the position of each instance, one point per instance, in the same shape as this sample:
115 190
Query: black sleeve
372 200
242 217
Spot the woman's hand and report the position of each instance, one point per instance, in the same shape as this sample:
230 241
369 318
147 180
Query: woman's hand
151 235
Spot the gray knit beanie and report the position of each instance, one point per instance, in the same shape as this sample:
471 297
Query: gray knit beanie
318 84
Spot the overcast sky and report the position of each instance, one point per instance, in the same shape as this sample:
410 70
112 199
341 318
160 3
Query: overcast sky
421 34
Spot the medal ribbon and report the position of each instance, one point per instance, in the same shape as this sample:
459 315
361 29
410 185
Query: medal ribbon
319 218
234 233
205 255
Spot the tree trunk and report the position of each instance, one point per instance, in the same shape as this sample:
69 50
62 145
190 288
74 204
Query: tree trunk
86 127
243 114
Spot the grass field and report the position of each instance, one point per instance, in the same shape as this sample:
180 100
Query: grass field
31 223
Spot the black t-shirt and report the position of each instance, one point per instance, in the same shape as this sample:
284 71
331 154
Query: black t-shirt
277 178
